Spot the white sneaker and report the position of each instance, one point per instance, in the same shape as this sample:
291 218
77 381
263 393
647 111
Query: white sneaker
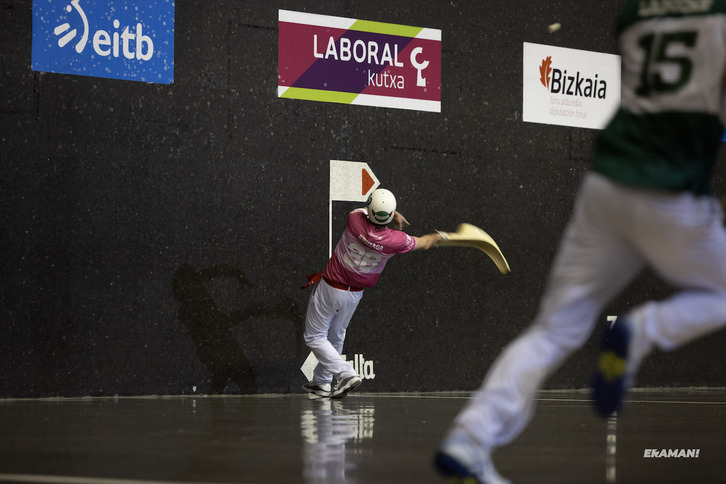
317 390
345 385
459 456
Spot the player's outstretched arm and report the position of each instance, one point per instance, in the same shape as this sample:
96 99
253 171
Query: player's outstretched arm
428 241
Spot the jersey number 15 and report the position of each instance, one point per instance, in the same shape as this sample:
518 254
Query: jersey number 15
656 48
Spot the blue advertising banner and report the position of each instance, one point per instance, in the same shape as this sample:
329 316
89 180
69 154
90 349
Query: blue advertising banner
116 39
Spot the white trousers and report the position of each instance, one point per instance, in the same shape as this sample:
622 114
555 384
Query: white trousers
614 232
328 316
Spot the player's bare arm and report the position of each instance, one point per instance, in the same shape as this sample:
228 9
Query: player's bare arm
427 241
399 222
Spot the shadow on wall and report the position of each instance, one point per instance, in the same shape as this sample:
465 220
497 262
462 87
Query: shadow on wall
211 328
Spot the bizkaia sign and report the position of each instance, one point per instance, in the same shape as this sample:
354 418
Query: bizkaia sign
569 87
342 60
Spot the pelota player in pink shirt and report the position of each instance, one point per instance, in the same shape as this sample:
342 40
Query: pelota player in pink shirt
357 262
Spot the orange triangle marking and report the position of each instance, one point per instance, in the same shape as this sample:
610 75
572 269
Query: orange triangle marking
368 181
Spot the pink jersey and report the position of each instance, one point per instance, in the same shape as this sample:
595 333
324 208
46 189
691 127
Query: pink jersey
363 250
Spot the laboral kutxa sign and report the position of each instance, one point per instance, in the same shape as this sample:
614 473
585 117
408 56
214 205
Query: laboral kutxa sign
116 39
342 60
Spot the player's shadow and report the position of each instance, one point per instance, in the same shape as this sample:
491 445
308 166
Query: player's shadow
211 329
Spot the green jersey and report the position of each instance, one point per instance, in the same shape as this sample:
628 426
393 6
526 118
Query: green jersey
668 129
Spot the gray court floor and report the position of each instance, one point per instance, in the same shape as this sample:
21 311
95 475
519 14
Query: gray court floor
660 437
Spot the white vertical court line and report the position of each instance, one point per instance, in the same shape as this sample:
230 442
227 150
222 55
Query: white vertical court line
611 449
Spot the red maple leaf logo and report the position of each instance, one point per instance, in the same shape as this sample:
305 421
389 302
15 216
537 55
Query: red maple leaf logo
544 71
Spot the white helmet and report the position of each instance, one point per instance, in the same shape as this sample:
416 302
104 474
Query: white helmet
381 205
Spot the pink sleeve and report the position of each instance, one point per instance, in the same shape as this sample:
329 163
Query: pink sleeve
400 242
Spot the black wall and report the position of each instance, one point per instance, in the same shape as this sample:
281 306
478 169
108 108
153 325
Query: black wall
156 235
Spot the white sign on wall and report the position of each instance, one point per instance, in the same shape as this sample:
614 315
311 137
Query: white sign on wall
569 87
350 181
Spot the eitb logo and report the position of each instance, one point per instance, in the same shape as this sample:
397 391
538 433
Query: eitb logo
118 39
